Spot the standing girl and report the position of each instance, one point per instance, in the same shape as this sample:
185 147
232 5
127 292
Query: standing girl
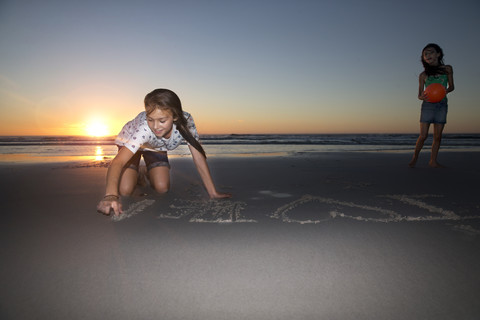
161 127
435 72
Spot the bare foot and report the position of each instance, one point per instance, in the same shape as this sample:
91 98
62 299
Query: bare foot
435 165
412 163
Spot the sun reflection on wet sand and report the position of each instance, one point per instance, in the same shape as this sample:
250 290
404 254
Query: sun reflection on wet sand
99 155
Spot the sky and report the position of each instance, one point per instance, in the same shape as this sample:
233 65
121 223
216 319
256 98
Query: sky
341 66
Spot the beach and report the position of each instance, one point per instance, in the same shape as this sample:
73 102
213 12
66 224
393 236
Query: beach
333 235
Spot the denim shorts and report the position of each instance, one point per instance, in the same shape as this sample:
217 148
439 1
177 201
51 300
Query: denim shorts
434 112
152 159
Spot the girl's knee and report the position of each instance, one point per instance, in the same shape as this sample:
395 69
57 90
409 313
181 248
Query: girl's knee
161 187
423 137
125 191
437 137
160 179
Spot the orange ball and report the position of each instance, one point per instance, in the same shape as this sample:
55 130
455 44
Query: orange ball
435 92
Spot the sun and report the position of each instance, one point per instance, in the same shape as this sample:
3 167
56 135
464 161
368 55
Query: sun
97 129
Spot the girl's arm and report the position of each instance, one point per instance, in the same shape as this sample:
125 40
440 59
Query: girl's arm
451 86
112 198
421 86
204 171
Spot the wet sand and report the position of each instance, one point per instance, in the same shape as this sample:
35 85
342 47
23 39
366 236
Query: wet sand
313 236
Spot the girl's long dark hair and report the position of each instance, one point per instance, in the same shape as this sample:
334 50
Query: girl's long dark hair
167 99
434 70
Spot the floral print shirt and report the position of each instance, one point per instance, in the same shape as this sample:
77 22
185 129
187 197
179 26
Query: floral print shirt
136 135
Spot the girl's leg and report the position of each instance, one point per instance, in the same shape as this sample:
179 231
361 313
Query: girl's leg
128 181
129 177
420 141
437 139
160 178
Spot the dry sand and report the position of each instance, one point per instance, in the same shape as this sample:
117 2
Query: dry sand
325 236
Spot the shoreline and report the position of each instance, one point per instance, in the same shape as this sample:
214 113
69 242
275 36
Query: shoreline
33 159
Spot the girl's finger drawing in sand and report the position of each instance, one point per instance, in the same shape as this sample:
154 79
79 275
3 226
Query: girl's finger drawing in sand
160 128
435 72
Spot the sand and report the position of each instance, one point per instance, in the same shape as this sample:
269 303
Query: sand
310 236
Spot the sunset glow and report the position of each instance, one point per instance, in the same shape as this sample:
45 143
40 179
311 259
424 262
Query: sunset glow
97 128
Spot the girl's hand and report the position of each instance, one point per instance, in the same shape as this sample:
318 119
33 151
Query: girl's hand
220 195
108 203
423 96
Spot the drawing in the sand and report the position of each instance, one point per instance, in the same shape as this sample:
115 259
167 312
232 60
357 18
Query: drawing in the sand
285 214
282 212
212 211
134 209
324 209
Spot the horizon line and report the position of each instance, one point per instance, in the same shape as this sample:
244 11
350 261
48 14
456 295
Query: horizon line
229 134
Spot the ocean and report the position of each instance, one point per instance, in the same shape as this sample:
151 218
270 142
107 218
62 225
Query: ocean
67 148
